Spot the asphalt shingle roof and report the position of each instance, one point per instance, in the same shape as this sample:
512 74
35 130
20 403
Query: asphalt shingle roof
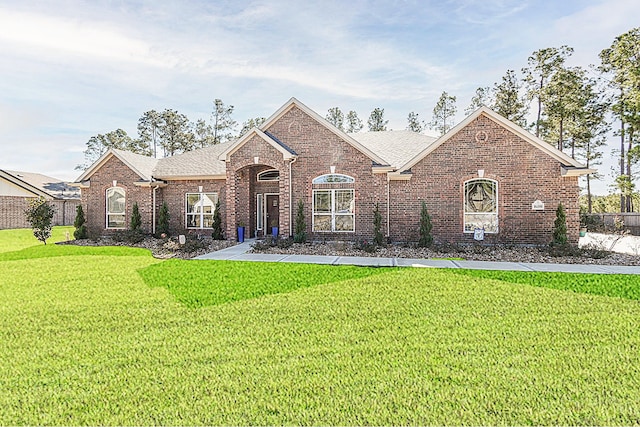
201 162
144 165
397 147
53 186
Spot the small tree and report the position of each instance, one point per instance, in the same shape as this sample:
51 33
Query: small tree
378 237
40 216
560 228
426 239
136 221
216 234
80 229
300 235
163 220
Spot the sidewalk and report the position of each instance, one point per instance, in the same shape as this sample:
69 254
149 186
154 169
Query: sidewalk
240 253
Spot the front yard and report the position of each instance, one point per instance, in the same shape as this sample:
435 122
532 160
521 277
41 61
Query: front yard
99 335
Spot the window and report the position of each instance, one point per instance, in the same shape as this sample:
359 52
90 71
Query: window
259 211
333 178
269 175
481 205
115 207
200 209
333 210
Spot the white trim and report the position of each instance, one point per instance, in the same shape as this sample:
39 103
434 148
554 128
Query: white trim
350 179
200 214
106 208
333 213
267 180
226 154
259 212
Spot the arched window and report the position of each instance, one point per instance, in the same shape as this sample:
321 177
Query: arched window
481 205
116 201
269 175
333 205
333 178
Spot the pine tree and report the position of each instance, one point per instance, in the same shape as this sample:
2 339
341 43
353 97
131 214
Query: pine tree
163 220
376 121
300 235
80 231
426 239
216 234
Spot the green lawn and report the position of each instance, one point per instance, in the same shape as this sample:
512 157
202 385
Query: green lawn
112 336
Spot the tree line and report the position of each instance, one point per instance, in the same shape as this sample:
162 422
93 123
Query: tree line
574 108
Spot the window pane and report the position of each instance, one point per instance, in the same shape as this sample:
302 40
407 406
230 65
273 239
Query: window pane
487 221
480 196
322 201
115 200
193 221
344 201
344 223
115 221
259 212
322 223
272 175
207 221
332 178
192 201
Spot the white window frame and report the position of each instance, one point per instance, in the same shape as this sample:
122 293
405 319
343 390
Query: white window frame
259 211
202 214
333 212
260 176
493 215
109 214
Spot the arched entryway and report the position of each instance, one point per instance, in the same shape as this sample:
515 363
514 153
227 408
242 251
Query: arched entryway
257 201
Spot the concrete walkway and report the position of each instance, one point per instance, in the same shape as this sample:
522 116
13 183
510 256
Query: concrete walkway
240 253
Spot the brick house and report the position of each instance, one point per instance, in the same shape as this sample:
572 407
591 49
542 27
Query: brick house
18 189
486 178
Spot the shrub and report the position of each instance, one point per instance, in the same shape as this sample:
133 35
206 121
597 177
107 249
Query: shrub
217 234
560 228
300 235
284 243
136 221
378 238
40 216
193 244
426 239
367 246
80 231
130 237
163 220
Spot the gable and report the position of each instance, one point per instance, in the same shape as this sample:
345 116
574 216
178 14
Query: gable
571 167
12 184
142 166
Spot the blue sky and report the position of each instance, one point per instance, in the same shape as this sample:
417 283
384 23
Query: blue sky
72 69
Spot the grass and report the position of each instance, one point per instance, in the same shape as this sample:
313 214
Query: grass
113 338
12 240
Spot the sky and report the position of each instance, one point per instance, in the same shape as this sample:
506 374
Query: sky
73 69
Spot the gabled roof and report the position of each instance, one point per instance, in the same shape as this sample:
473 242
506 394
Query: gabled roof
396 147
203 162
293 102
287 153
40 185
497 118
142 165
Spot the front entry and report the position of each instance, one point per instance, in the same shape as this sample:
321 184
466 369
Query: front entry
272 211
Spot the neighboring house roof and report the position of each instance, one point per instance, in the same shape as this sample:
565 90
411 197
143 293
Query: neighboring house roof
396 147
570 164
203 162
142 165
40 185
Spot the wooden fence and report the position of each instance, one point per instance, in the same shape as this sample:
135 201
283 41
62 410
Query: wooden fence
608 221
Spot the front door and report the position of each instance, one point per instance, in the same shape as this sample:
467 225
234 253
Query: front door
273 212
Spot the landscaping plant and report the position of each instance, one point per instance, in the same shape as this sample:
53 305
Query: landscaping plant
136 221
40 217
163 220
378 237
216 233
426 239
80 231
300 232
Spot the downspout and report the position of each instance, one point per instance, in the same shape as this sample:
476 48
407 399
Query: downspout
290 197
388 209
153 209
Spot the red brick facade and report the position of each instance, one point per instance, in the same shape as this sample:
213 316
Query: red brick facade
301 147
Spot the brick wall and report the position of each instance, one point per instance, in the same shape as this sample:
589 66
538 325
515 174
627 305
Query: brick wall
12 210
523 172
94 197
175 196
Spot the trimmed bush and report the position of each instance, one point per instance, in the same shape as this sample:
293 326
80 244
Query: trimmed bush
378 238
136 220
80 229
216 233
40 216
426 239
163 220
300 235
